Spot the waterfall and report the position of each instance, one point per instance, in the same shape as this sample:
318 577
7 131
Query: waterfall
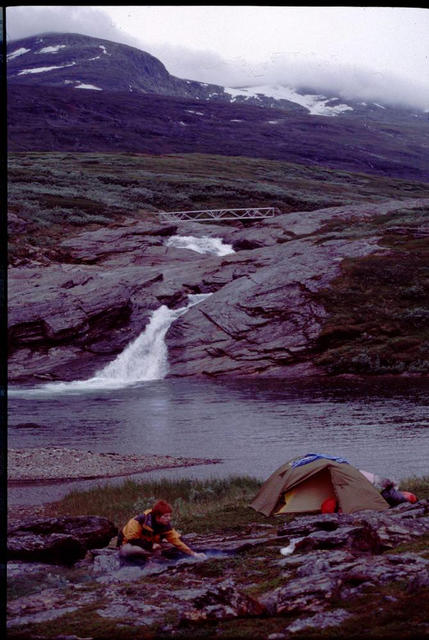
144 359
200 245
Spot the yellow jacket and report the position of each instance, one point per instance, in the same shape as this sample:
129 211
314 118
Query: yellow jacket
146 530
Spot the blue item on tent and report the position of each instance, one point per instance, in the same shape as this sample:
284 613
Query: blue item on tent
311 457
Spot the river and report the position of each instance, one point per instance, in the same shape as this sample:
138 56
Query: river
253 425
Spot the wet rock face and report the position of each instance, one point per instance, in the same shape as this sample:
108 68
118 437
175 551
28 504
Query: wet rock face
67 320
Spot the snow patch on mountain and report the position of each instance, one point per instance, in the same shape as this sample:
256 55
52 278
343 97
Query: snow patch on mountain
88 86
52 49
103 51
317 105
18 52
43 69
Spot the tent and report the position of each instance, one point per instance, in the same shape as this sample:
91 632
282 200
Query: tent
303 484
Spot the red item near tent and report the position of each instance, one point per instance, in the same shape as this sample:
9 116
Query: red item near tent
409 496
329 505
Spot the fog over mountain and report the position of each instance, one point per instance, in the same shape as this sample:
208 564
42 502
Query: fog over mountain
346 80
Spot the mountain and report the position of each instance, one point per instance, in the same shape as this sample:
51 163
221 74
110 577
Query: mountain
326 104
83 62
69 92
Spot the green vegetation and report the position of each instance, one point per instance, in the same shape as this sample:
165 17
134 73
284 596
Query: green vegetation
417 485
379 306
199 505
85 623
56 194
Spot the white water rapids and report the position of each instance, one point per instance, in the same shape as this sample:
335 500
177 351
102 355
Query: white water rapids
200 245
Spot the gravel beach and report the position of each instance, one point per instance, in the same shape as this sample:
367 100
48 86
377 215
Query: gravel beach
57 464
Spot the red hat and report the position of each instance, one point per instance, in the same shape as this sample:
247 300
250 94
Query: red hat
161 507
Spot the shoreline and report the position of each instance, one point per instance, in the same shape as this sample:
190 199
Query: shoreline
54 465
24 467
28 383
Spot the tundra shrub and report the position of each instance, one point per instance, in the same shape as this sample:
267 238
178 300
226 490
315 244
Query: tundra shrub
374 325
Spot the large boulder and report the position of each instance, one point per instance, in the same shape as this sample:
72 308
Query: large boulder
63 540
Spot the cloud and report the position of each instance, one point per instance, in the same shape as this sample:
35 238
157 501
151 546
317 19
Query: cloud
23 21
346 81
298 70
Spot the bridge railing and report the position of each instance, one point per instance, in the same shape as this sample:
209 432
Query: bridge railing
251 213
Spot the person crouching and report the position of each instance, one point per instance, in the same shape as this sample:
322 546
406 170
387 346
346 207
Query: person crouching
143 534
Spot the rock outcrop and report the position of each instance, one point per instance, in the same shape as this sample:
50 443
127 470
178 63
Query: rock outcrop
336 560
59 540
68 319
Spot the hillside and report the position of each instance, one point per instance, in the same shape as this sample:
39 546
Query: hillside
334 284
50 194
84 62
68 92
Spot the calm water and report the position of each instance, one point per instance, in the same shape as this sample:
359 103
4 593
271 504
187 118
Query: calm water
253 425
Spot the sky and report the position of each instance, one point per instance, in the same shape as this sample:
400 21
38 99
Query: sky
369 53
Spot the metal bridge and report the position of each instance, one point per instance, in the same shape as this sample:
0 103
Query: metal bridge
219 214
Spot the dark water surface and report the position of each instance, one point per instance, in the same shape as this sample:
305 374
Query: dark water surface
253 425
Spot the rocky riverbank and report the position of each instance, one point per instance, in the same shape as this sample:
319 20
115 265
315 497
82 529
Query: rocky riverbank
362 574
